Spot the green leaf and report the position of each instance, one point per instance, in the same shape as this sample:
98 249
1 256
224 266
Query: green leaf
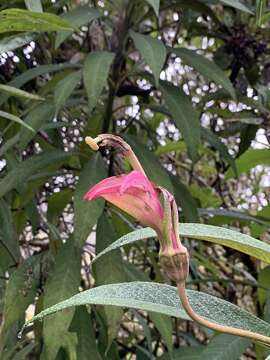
185 117
185 353
152 50
149 162
155 5
16 119
225 347
205 67
23 171
25 20
95 73
34 5
163 299
237 5
63 282
171 146
19 93
214 140
109 271
249 160
64 89
9 246
13 42
215 234
40 114
87 212
24 281
82 325
185 200
77 17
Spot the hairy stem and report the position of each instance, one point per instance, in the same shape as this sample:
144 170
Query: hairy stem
181 286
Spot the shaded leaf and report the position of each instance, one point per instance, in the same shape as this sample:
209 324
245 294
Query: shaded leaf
25 20
63 282
22 172
13 42
152 50
185 117
155 5
16 119
249 160
77 17
87 212
205 67
64 89
214 140
237 4
95 73
33 5
13 91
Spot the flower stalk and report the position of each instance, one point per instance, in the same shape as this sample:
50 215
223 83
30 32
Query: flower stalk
137 196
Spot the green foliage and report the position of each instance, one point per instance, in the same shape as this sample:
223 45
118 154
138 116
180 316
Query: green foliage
186 84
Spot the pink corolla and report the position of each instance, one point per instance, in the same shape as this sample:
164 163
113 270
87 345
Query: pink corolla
148 203
134 194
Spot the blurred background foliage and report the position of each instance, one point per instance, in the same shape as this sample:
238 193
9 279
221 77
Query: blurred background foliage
186 83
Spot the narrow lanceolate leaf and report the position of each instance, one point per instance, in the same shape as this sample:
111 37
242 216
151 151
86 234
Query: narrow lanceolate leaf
9 246
214 234
155 5
33 5
249 160
237 4
64 89
21 173
40 114
13 42
225 347
95 73
16 119
77 17
13 91
25 20
164 299
185 116
214 140
152 50
87 212
63 282
205 67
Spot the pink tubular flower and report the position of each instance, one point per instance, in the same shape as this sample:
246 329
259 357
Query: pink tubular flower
134 194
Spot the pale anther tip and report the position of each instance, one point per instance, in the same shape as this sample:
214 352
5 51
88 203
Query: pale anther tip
92 143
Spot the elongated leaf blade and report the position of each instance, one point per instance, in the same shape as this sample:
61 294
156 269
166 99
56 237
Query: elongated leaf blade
155 5
87 212
237 4
205 67
64 89
13 91
77 17
95 73
16 119
13 42
214 234
184 115
152 50
25 20
249 160
34 5
164 299
25 169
